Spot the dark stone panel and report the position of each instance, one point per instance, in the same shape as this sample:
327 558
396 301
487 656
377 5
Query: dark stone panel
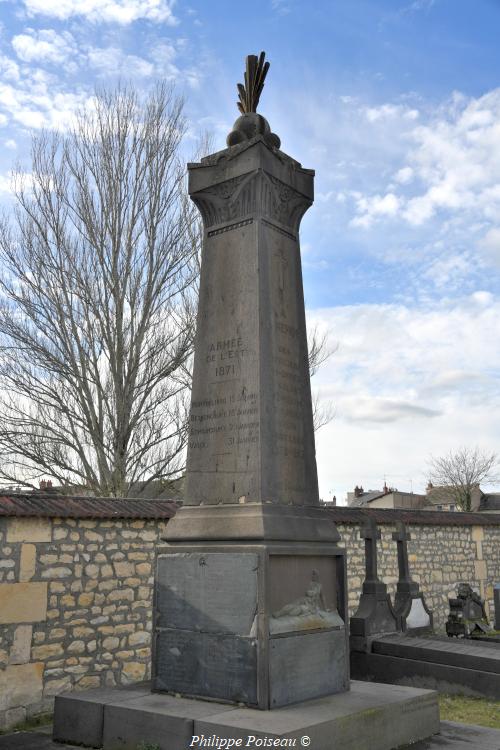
79 717
125 728
302 667
207 591
425 674
456 653
218 666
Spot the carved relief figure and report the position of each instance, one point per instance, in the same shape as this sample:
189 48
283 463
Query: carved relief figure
306 613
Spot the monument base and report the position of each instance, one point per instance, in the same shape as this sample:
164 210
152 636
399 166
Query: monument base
257 624
368 717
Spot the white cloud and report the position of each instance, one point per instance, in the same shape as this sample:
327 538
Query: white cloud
111 11
404 175
373 207
10 143
36 100
44 45
406 382
390 111
491 244
112 61
450 167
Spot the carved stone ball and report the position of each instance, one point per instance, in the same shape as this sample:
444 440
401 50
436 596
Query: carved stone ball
250 125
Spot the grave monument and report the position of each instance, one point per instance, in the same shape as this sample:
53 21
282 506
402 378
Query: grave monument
375 614
250 599
409 602
250 614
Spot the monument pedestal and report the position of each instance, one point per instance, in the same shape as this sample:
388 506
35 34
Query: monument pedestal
259 624
371 716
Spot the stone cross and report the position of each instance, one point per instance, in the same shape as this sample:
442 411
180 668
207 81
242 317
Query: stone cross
402 536
370 534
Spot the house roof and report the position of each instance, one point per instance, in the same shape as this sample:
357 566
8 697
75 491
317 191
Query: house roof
490 501
64 506
366 497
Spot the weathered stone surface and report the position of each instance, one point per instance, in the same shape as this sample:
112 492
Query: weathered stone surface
302 666
29 530
28 562
207 591
213 665
79 718
20 685
369 717
251 440
21 646
23 602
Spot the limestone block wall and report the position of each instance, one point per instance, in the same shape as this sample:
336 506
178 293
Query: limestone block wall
440 556
76 592
75 607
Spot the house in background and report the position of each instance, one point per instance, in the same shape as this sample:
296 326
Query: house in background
435 498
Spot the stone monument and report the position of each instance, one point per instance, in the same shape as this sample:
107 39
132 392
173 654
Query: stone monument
409 603
250 589
251 592
375 614
467 614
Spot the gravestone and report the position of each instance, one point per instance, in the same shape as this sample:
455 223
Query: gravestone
467 614
375 614
250 601
409 602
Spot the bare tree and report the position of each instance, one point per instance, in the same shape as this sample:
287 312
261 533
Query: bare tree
320 350
458 473
97 304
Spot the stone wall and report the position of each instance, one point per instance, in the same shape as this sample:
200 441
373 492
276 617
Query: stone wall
441 555
76 592
75 607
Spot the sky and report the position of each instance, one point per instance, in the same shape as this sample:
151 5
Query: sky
396 105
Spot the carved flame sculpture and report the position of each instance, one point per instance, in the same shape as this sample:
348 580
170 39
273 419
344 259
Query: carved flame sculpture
255 75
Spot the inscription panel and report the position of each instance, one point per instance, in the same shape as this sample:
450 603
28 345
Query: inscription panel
224 428
291 434
208 591
217 666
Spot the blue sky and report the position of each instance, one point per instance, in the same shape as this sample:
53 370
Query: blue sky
396 105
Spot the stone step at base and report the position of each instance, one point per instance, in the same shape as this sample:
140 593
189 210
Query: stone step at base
367 717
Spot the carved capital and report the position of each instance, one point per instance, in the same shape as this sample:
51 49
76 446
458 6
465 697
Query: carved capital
256 194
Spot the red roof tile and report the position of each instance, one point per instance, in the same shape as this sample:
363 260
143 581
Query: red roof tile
62 506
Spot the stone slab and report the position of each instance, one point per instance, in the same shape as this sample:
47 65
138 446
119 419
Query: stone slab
214 592
464 654
425 674
79 717
23 602
214 665
452 736
314 664
145 719
368 717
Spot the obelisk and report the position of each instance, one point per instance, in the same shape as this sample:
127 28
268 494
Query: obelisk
250 591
